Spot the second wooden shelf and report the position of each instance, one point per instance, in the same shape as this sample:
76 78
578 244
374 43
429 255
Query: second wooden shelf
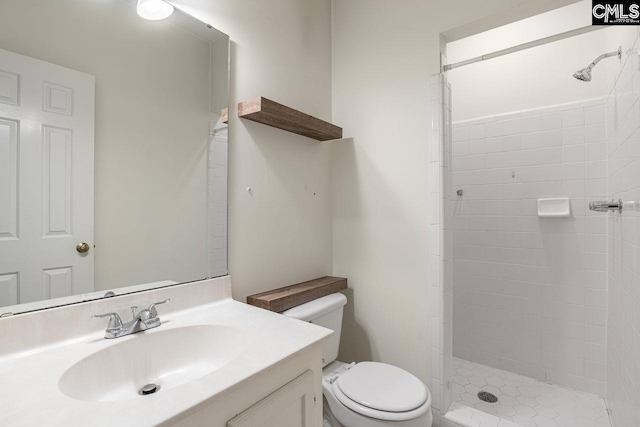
282 299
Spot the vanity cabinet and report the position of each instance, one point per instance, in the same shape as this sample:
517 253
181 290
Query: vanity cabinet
290 406
288 394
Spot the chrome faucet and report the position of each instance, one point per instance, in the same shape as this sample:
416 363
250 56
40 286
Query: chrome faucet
607 206
142 320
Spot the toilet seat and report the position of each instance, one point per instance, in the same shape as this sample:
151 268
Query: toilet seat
382 391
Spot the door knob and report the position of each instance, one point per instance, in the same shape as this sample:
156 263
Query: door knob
82 248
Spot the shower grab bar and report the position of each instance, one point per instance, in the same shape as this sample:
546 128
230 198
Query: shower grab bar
602 206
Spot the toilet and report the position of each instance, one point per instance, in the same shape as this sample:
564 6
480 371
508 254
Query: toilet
364 394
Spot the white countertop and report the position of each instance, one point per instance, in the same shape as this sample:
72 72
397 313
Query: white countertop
29 393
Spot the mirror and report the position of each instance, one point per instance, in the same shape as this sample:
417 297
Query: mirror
113 151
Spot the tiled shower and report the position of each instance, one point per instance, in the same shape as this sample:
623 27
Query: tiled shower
549 306
529 292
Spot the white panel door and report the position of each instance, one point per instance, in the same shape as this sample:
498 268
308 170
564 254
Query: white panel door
46 179
289 406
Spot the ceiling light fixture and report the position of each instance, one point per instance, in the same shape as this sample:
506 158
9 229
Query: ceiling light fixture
154 10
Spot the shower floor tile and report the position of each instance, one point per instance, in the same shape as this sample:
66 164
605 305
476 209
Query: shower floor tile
525 401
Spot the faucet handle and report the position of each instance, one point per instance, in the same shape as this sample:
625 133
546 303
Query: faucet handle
133 310
115 323
152 307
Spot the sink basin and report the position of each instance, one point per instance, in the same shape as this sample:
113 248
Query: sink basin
167 358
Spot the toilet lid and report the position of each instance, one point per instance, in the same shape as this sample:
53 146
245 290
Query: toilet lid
382 387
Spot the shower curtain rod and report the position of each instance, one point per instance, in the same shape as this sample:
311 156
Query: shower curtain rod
528 45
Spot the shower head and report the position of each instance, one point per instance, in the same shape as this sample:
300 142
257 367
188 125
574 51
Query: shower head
585 74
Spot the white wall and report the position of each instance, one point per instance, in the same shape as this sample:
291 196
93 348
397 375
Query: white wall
537 77
529 292
150 173
280 232
383 55
623 291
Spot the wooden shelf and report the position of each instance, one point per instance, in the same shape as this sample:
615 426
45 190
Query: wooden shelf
267 112
282 299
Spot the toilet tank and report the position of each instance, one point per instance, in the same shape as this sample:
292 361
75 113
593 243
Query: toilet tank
325 312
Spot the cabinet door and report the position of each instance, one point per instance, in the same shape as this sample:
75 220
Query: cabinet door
289 406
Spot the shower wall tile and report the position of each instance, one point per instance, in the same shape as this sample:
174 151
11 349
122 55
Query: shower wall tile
529 293
217 202
622 330
441 242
